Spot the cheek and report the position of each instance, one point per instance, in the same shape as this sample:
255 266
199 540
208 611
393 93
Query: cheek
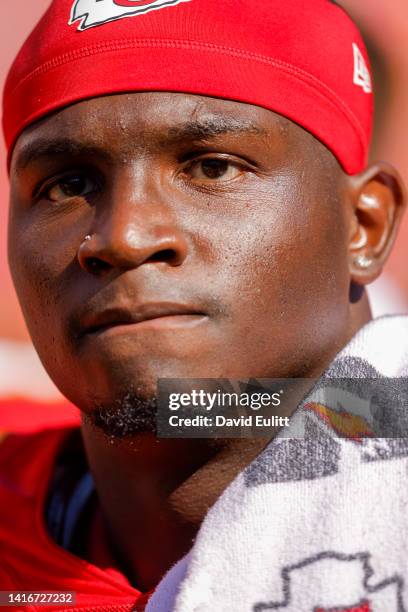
285 272
38 261
41 266
281 246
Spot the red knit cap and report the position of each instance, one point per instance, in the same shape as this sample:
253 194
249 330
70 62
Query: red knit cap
304 60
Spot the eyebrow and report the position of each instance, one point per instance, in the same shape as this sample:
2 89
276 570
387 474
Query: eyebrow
45 148
213 127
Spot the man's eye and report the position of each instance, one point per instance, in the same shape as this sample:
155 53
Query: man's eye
73 186
213 169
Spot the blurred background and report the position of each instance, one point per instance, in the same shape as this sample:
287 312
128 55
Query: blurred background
23 383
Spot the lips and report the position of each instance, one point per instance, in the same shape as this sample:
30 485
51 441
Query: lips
95 323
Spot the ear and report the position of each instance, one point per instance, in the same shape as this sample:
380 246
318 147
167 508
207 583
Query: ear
379 200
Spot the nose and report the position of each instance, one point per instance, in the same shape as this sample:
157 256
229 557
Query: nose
132 230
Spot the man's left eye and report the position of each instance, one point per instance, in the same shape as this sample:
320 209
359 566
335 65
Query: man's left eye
72 186
213 169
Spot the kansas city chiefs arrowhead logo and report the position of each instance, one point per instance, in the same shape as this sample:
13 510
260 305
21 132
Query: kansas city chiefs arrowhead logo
92 13
333 582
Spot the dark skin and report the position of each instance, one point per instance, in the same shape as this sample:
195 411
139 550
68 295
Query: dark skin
224 240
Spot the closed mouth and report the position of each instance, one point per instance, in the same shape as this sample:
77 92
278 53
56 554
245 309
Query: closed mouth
161 314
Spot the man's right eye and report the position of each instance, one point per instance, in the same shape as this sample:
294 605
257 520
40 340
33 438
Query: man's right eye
72 186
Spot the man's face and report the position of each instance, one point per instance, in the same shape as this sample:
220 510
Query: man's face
217 244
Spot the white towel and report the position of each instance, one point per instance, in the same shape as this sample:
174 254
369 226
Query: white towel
312 525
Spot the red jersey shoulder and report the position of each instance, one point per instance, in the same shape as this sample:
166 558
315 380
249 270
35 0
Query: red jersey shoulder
31 560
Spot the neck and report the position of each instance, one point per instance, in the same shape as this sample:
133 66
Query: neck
154 494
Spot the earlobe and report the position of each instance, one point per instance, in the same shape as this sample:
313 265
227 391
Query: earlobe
379 201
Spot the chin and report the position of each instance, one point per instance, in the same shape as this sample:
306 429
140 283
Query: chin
125 416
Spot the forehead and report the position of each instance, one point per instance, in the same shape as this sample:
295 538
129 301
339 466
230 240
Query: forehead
133 119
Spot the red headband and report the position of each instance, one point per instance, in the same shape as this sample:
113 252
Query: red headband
304 60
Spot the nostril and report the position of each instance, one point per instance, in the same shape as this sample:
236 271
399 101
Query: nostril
96 265
166 255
